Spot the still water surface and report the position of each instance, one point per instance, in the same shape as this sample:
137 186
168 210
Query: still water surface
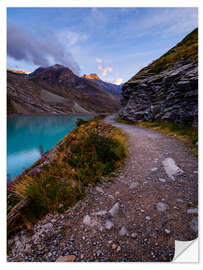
26 135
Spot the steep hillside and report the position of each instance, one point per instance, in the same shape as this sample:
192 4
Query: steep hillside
56 90
167 89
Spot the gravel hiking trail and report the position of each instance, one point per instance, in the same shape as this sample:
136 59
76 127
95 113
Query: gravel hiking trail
151 202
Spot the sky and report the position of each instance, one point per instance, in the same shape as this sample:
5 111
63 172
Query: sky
115 43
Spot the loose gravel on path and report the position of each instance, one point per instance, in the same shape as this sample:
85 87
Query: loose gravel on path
151 203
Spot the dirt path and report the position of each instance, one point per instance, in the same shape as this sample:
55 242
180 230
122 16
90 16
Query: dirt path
150 203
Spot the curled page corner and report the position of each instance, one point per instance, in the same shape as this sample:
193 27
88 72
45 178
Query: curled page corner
186 251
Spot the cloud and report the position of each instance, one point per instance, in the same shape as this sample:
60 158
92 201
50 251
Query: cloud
22 45
99 60
70 38
118 81
105 70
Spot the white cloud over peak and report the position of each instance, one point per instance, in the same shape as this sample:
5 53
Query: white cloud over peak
118 81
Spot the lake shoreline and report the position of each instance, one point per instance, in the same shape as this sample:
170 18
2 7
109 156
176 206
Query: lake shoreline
29 135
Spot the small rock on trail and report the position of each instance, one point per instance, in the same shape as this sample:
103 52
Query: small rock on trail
115 209
160 206
171 168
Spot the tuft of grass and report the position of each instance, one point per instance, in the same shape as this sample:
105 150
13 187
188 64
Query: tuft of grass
80 121
90 151
122 121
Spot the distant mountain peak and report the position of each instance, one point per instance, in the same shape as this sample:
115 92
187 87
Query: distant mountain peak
91 76
57 66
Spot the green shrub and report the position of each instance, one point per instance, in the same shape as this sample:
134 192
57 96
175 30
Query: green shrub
52 195
95 156
80 121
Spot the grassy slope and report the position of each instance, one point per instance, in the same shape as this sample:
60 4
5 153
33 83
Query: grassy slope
186 49
83 157
187 134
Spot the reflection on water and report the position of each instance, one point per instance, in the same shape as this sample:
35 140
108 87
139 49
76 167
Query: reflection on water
29 136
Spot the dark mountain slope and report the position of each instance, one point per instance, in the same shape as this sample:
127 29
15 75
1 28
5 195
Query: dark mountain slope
56 90
109 87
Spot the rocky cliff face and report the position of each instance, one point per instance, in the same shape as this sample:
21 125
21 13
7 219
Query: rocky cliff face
167 89
56 90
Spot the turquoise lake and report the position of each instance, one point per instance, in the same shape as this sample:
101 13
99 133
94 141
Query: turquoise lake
27 135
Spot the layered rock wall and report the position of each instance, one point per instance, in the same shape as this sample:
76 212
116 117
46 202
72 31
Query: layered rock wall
171 95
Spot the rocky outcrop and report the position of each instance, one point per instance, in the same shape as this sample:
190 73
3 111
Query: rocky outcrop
165 90
56 90
91 76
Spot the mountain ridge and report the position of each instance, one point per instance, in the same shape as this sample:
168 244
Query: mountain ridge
56 90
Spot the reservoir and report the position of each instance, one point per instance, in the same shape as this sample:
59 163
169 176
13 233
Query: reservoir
30 135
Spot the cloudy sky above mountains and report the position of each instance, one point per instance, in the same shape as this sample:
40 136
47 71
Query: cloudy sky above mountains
115 43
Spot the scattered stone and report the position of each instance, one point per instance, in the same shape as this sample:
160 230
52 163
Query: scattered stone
87 220
100 213
99 189
154 169
179 200
171 168
167 231
114 210
160 206
68 258
99 253
109 225
101 228
194 224
133 235
47 227
123 231
192 211
162 180
133 185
